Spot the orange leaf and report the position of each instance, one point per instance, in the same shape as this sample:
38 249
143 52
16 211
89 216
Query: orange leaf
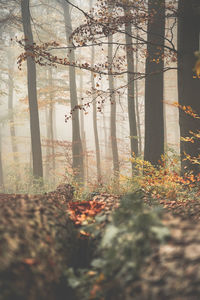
96 288
30 261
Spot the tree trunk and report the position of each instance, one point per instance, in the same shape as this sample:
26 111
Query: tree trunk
96 137
112 110
77 150
32 93
83 135
47 162
11 118
106 149
137 104
131 89
51 119
154 121
188 83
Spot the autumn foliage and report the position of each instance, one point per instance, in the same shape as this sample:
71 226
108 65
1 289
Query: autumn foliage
84 211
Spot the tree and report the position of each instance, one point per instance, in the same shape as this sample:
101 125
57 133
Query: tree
154 121
96 137
131 88
77 150
137 104
82 127
32 92
188 83
96 28
112 110
50 151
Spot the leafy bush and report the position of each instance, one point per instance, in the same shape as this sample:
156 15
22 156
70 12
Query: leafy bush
163 181
124 244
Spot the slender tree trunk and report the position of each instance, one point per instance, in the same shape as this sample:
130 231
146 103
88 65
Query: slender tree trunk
82 129
131 89
105 137
77 150
137 105
112 110
188 83
47 166
154 121
48 131
165 125
51 119
96 137
11 118
83 135
32 93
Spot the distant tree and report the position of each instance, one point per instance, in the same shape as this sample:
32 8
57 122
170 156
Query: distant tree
96 136
50 121
154 120
82 127
130 84
137 108
96 28
188 82
112 109
32 92
77 149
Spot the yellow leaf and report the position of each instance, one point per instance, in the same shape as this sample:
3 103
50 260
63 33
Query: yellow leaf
197 67
100 278
91 273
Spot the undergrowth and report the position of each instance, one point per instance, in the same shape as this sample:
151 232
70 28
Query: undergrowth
123 245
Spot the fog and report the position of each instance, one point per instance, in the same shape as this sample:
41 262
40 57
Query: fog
53 95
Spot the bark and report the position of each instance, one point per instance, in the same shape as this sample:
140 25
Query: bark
131 89
112 111
188 83
105 137
51 120
137 105
96 137
83 135
165 125
32 93
154 120
82 129
77 150
11 117
47 166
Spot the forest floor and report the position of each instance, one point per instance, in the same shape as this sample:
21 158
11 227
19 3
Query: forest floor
172 271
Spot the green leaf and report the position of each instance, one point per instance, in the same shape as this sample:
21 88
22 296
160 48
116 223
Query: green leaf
161 233
110 234
98 263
